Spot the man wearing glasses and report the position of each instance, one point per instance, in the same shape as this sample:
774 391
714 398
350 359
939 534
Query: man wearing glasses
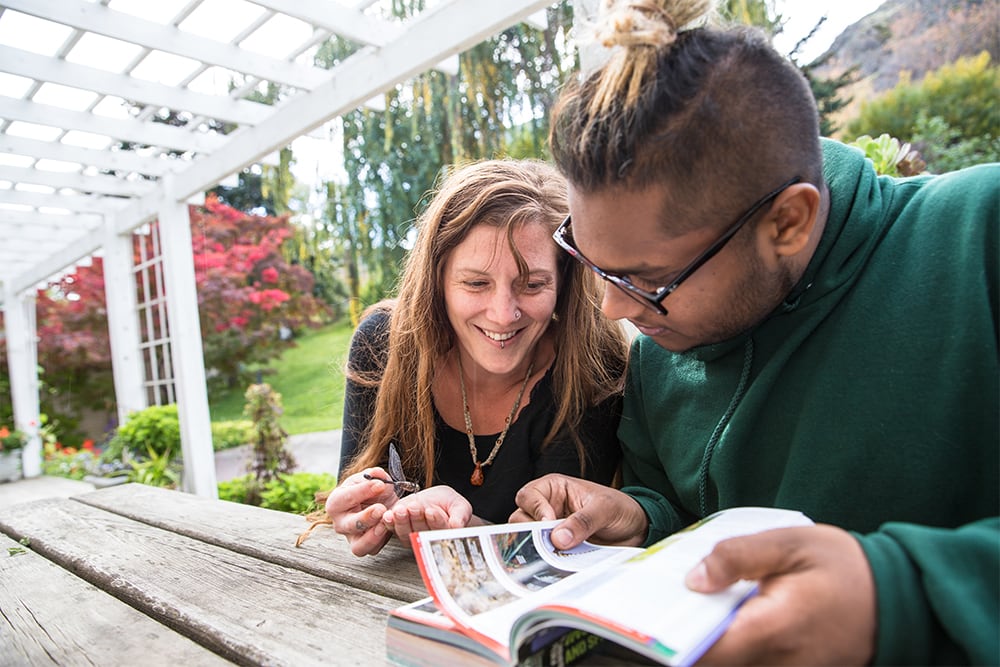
815 338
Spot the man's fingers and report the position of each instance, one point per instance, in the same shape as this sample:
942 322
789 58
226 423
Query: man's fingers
577 527
748 557
533 505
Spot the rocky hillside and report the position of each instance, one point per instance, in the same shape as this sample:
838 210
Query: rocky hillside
917 36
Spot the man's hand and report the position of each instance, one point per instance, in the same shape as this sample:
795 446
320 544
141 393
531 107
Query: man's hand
356 507
591 510
431 509
815 606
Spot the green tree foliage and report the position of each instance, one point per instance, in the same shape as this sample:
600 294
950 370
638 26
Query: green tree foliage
760 13
950 116
394 157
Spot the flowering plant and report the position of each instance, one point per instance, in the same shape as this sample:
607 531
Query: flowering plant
11 440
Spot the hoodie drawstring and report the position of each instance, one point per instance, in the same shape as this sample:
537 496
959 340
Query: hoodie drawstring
706 459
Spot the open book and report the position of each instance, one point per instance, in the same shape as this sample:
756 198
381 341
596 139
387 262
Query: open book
503 594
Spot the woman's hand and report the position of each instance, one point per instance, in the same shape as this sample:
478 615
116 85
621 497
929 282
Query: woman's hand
356 508
431 509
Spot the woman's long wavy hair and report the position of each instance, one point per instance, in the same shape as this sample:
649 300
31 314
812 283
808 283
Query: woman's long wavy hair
591 350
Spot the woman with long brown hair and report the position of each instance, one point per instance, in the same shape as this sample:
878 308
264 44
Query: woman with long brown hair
491 367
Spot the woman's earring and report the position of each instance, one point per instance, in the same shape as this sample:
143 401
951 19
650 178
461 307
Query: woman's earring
555 317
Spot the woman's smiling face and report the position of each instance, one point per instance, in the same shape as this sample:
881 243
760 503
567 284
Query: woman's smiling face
498 317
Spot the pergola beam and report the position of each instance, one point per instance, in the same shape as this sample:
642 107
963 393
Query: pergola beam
96 18
69 202
125 129
27 64
104 185
67 255
122 160
347 23
48 221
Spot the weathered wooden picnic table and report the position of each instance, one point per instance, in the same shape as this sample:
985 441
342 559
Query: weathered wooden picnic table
136 575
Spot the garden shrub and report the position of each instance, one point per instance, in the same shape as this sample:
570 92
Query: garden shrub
235 490
289 492
155 429
296 492
156 469
234 433
953 106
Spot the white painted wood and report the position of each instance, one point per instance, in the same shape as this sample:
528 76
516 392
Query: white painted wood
24 222
126 129
30 65
99 19
123 324
112 160
340 20
64 255
105 185
186 350
22 364
70 202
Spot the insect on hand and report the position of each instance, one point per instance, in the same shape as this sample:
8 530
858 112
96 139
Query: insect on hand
399 482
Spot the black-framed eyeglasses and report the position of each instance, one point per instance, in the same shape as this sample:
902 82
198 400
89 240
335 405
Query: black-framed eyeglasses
654 299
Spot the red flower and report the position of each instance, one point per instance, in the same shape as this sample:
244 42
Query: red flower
88 444
269 275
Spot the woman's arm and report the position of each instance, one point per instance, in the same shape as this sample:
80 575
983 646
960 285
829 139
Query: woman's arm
367 355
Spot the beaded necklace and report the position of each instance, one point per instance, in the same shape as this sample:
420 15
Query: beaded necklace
477 472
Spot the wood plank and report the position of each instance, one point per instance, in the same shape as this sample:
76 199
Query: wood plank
267 535
49 616
244 609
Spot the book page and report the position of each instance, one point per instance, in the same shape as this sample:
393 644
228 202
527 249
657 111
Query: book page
646 600
480 576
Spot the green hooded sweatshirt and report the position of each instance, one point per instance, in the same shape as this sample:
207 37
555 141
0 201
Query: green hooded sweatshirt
868 400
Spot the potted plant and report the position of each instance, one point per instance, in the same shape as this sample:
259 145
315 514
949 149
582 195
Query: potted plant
11 444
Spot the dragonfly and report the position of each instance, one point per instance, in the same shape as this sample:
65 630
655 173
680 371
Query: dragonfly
400 484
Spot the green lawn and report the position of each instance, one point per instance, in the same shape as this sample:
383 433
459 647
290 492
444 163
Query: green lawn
310 379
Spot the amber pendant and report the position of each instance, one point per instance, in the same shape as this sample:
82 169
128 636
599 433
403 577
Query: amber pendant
477 475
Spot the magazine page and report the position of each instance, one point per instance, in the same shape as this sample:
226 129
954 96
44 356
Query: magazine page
485 577
420 634
645 603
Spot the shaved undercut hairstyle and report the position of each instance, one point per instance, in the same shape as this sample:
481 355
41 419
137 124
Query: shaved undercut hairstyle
715 115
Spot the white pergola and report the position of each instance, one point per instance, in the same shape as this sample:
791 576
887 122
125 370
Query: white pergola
61 125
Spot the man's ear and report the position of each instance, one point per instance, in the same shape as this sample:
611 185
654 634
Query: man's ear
793 218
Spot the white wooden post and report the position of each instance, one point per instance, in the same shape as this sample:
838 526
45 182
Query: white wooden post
186 349
123 324
22 364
